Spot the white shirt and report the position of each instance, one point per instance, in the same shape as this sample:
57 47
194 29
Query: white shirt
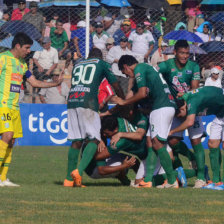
46 58
115 53
100 41
140 43
216 83
204 37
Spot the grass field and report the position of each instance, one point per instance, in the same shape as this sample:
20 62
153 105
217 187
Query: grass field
41 198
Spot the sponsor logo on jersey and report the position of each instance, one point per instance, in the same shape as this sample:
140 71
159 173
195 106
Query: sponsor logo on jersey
141 122
137 75
17 77
15 88
173 70
188 72
6 125
194 91
197 73
179 74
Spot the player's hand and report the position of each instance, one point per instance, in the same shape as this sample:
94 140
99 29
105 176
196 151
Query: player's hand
129 162
59 80
171 133
40 69
115 138
101 146
179 94
118 100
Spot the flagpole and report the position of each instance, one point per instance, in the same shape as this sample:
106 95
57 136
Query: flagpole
87 27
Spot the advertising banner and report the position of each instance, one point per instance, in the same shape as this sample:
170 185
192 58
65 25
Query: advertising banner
46 125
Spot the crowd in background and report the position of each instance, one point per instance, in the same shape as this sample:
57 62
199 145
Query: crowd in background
115 33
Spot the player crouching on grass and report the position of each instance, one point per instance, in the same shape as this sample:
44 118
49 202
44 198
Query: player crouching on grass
204 101
12 70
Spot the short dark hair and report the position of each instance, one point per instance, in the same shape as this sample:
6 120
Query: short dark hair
21 39
179 103
109 123
181 44
59 21
126 60
95 53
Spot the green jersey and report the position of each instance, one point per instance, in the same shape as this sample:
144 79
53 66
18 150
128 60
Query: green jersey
208 100
179 80
86 78
137 148
159 93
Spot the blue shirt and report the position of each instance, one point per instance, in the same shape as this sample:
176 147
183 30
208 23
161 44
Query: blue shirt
81 35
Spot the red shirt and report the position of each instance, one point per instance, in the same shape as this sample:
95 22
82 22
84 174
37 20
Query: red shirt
18 15
105 90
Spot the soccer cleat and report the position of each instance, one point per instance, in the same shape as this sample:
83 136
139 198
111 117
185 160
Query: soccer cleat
199 183
167 185
77 178
181 176
207 178
144 184
209 186
68 183
162 185
132 184
8 183
219 187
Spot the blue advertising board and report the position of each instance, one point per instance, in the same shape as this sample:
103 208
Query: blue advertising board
46 125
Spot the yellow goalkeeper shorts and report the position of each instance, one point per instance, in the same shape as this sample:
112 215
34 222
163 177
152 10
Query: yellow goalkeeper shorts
10 121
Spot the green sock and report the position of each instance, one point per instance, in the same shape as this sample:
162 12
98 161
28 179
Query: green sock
151 161
167 165
200 160
87 155
189 173
215 164
73 156
182 148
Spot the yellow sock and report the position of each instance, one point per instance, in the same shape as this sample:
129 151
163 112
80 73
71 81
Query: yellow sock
3 148
5 164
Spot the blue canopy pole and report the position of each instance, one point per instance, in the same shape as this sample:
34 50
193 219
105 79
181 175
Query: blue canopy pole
87 26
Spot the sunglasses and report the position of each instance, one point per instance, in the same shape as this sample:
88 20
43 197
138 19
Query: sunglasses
215 73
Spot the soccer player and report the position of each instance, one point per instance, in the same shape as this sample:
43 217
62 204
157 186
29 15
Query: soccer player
207 100
183 75
12 70
150 82
83 118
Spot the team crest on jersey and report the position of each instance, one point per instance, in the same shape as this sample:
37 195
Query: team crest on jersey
179 74
188 72
194 91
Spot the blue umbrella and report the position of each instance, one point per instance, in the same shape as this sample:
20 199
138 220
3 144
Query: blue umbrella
116 3
183 35
217 18
213 46
13 27
7 43
48 3
212 2
193 50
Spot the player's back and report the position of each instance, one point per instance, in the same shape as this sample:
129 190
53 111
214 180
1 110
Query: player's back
86 78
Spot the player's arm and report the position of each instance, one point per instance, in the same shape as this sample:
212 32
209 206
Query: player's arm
141 94
136 136
186 124
195 78
127 163
195 84
36 83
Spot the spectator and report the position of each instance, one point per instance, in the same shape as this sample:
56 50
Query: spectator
204 31
99 36
5 18
55 95
109 45
214 79
104 95
54 19
173 13
141 42
158 55
59 40
79 39
125 30
113 57
112 23
194 17
179 26
35 18
19 12
45 60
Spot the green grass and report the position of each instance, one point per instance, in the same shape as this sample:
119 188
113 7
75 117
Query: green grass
41 198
